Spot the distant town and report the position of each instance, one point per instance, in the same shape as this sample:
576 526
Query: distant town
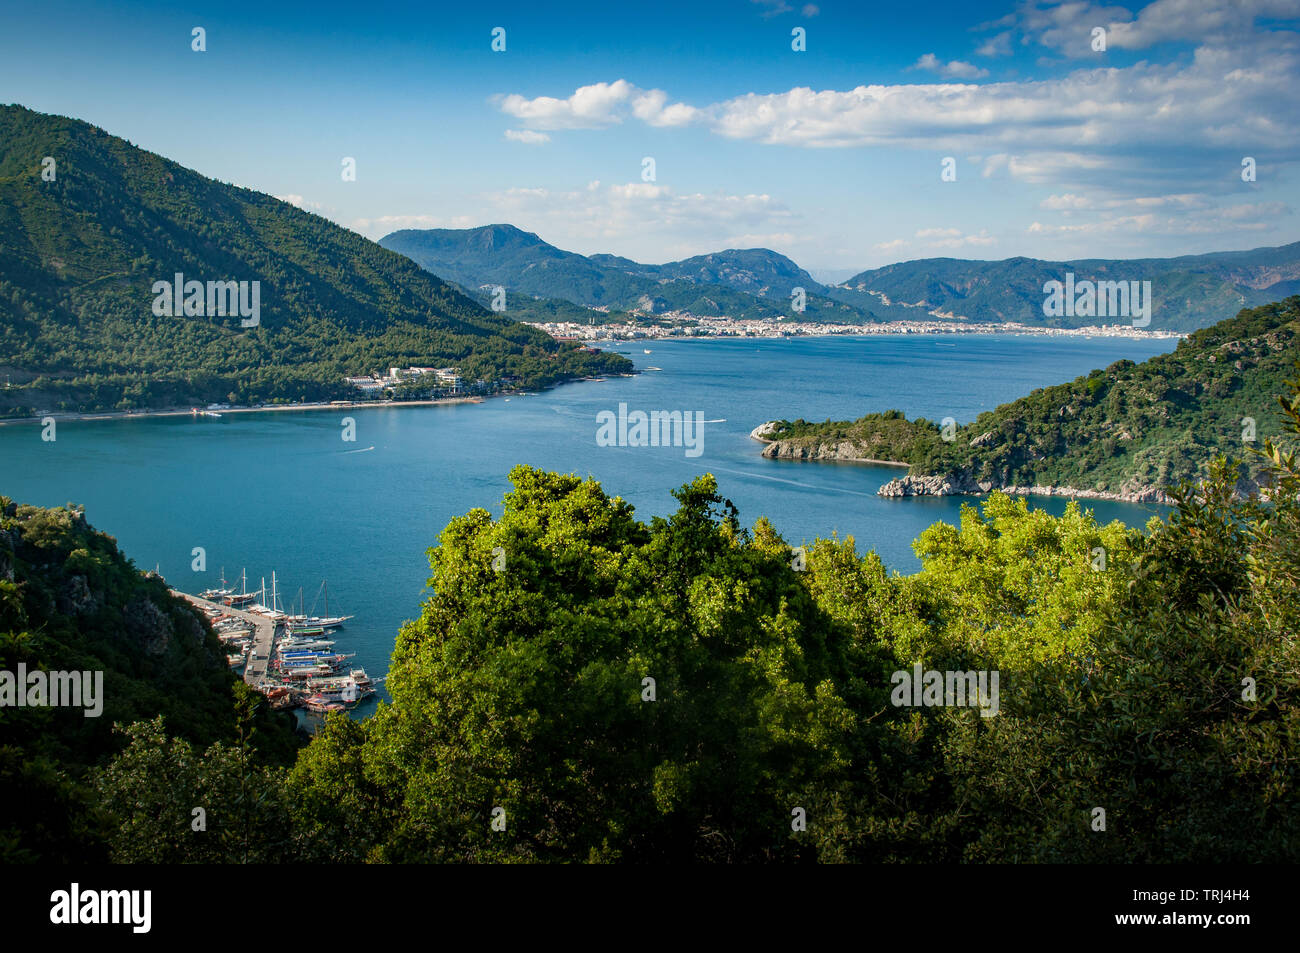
689 326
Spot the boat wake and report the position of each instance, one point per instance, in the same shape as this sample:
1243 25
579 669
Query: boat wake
362 450
798 483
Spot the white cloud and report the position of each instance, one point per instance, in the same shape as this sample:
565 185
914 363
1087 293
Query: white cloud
1066 202
650 107
1208 220
1202 21
383 224
299 202
1083 127
1067 27
935 239
772 7
945 233
596 106
954 238
527 136
997 45
589 107
953 70
647 218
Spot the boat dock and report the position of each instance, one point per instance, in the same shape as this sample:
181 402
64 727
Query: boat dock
264 634
291 659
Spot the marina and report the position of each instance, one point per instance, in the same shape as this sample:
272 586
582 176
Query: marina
291 659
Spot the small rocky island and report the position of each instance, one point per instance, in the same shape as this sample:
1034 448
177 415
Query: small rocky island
846 451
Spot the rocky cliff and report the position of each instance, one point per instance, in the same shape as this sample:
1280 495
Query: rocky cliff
845 451
964 484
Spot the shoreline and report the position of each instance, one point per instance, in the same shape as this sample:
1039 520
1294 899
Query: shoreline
279 408
911 486
872 331
870 461
1064 492
760 432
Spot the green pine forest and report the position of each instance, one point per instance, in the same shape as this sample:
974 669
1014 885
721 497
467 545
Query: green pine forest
1130 428
1150 674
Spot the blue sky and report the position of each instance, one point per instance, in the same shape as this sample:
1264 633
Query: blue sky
832 155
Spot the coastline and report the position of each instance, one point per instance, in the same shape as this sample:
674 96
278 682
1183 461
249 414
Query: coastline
938 485
776 450
911 485
187 412
607 335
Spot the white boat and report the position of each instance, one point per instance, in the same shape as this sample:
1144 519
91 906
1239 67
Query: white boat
310 622
272 611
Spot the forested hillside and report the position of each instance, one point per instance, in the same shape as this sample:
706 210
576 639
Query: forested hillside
71 602
82 242
1130 429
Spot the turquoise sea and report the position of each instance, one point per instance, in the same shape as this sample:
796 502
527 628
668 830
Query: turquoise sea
284 492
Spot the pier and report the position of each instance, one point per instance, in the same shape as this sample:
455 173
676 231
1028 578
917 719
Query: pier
264 634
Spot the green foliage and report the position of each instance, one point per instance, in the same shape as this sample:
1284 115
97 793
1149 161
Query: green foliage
1132 428
522 689
69 601
1121 688
79 257
150 793
890 436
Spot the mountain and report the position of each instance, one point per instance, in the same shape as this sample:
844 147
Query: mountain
1130 431
756 271
746 284
1189 292
90 224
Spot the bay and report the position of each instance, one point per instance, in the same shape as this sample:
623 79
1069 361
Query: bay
283 491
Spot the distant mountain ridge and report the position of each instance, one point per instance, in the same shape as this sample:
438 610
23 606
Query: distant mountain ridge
749 283
1188 292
